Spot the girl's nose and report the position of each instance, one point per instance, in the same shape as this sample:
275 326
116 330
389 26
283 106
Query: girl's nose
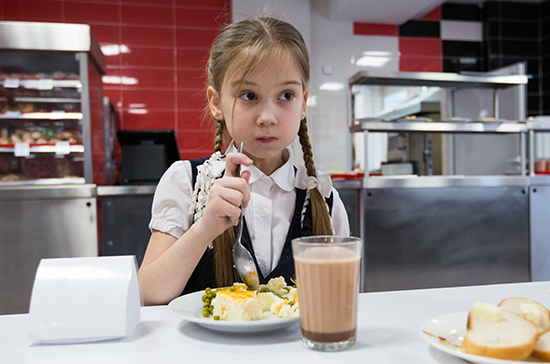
267 114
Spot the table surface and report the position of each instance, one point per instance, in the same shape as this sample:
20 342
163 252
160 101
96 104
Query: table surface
388 332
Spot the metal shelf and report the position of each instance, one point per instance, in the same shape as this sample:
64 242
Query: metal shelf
436 79
439 127
55 115
45 149
56 100
538 126
40 84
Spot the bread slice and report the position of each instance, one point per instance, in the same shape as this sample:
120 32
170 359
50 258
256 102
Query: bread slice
511 338
532 311
542 347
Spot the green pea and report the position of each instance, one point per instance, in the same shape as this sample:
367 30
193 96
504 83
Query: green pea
205 313
233 288
217 318
203 298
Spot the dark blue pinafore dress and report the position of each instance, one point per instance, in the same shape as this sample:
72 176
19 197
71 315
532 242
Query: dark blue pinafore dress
204 276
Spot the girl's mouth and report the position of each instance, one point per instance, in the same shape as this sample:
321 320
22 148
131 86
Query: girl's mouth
266 139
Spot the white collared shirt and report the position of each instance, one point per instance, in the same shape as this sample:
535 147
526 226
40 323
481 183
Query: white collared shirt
268 215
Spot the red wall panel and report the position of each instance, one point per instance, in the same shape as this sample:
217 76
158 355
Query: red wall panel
157 80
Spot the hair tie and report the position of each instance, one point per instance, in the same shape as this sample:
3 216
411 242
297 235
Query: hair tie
312 182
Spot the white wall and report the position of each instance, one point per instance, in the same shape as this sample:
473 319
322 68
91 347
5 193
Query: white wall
331 43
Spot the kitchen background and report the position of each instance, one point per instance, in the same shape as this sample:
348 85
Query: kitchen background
156 52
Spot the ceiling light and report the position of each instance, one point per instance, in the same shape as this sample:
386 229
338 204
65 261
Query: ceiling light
331 86
370 61
114 49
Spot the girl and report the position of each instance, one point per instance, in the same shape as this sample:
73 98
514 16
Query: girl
258 75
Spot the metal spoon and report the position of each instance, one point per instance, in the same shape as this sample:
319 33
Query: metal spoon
241 257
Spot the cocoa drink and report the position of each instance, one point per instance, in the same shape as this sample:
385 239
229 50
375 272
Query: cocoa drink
328 287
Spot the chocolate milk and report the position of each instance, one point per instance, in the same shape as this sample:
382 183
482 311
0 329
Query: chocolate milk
328 287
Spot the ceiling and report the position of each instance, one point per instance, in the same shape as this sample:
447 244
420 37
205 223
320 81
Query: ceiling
389 11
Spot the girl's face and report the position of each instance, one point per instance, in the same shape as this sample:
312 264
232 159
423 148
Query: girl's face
266 111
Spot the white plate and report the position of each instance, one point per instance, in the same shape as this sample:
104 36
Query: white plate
452 327
190 307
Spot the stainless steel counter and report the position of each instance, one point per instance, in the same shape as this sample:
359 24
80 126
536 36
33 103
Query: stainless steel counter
125 213
123 190
424 232
41 222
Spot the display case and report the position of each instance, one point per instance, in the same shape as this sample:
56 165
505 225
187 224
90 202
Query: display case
52 150
51 104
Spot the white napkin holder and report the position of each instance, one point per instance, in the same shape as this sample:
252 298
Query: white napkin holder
84 299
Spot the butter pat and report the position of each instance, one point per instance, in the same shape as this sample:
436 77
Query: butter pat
531 312
487 311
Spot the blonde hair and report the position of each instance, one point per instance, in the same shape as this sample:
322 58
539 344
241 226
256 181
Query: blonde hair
239 48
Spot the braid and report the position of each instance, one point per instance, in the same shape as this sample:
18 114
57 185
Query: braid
306 148
319 211
218 140
223 259
223 243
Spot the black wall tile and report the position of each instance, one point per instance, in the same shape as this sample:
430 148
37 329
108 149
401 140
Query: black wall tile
533 103
546 103
492 29
460 64
422 29
455 11
533 85
544 9
523 11
520 48
452 48
545 28
545 66
517 30
494 48
534 67
494 63
490 10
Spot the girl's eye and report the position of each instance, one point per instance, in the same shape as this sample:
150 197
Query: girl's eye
248 96
286 96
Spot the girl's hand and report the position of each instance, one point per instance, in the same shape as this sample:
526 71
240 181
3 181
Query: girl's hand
226 195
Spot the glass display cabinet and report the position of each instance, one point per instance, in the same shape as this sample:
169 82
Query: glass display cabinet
51 104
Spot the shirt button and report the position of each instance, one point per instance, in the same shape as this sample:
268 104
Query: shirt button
261 212
265 183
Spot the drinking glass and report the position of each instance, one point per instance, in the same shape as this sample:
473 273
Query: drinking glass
327 275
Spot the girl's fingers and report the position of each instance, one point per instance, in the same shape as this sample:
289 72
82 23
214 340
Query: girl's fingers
233 160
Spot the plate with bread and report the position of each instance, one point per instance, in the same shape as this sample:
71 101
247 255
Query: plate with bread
515 331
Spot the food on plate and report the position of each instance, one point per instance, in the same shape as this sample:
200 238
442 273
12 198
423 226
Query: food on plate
509 337
532 311
486 310
237 303
542 346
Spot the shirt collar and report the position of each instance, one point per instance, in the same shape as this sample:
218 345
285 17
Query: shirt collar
282 177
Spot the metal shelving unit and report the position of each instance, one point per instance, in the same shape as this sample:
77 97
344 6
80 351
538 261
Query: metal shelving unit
448 82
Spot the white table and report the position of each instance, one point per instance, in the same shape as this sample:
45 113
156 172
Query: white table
387 333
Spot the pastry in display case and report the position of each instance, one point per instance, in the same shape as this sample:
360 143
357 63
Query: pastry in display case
40 127
51 103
